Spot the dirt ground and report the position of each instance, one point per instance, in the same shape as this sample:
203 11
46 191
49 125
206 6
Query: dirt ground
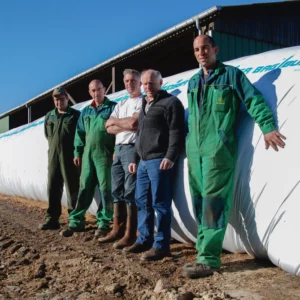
38 264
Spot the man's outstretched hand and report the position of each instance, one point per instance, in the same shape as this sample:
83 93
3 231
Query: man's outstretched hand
274 139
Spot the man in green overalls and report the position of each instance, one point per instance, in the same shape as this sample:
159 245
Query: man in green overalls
94 149
60 126
215 94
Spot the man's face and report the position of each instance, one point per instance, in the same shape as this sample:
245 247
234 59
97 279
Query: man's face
205 53
151 84
132 83
97 91
61 102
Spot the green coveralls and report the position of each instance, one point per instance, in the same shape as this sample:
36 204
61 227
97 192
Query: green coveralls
96 148
60 132
211 148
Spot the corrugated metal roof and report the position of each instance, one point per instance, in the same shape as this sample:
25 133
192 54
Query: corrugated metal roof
142 45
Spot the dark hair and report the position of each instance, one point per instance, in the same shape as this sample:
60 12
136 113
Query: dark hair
212 41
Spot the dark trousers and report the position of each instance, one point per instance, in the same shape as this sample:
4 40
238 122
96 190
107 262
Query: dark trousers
123 182
61 170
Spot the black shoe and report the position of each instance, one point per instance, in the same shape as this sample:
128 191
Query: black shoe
50 225
70 230
136 248
196 270
155 254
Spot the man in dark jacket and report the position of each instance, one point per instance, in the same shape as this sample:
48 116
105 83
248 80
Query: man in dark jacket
60 126
160 139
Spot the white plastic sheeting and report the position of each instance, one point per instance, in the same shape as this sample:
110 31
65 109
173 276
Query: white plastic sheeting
265 211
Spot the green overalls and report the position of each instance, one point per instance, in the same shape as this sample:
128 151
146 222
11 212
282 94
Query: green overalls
96 148
60 132
211 149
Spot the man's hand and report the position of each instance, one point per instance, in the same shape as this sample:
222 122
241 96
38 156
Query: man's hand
274 139
110 122
132 168
77 161
166 164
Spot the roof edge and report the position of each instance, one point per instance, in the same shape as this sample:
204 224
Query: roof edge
167 32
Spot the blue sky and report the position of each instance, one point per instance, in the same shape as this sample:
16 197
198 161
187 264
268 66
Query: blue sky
43 43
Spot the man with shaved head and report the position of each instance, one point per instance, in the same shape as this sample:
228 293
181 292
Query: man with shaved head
215 95
159 141
94 149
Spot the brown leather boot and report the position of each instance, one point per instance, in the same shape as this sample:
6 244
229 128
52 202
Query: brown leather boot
131 225
118 224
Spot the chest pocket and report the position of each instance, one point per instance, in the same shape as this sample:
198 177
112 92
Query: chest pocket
101 120
87 123
222 98
69 124
192 100
50 128
105 115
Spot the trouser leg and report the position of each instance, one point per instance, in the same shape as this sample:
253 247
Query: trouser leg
54 188
88 181
217 196
71 175
129 178
161 202
196 189
105 213
117 177
143 200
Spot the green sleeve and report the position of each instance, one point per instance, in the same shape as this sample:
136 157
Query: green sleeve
79 141
254 102
45 126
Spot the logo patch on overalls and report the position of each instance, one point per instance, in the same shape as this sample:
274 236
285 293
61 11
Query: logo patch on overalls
221 101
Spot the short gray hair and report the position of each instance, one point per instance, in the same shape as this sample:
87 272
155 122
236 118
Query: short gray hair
132 71
155 72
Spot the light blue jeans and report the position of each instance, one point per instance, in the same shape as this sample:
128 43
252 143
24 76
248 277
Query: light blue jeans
153 194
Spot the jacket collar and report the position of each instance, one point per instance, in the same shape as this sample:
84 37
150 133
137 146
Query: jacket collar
55 112
104 105
160 95
219 69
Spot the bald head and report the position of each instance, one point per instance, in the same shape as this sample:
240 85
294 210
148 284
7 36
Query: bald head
152 72
207 38
97 91
152 82
95 81
205 51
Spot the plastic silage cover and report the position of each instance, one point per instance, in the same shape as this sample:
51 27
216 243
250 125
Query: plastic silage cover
264 219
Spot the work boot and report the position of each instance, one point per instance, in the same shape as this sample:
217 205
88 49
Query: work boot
101 232
68 232
50 225
136 248
197 270
155 254
131 225
118 226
